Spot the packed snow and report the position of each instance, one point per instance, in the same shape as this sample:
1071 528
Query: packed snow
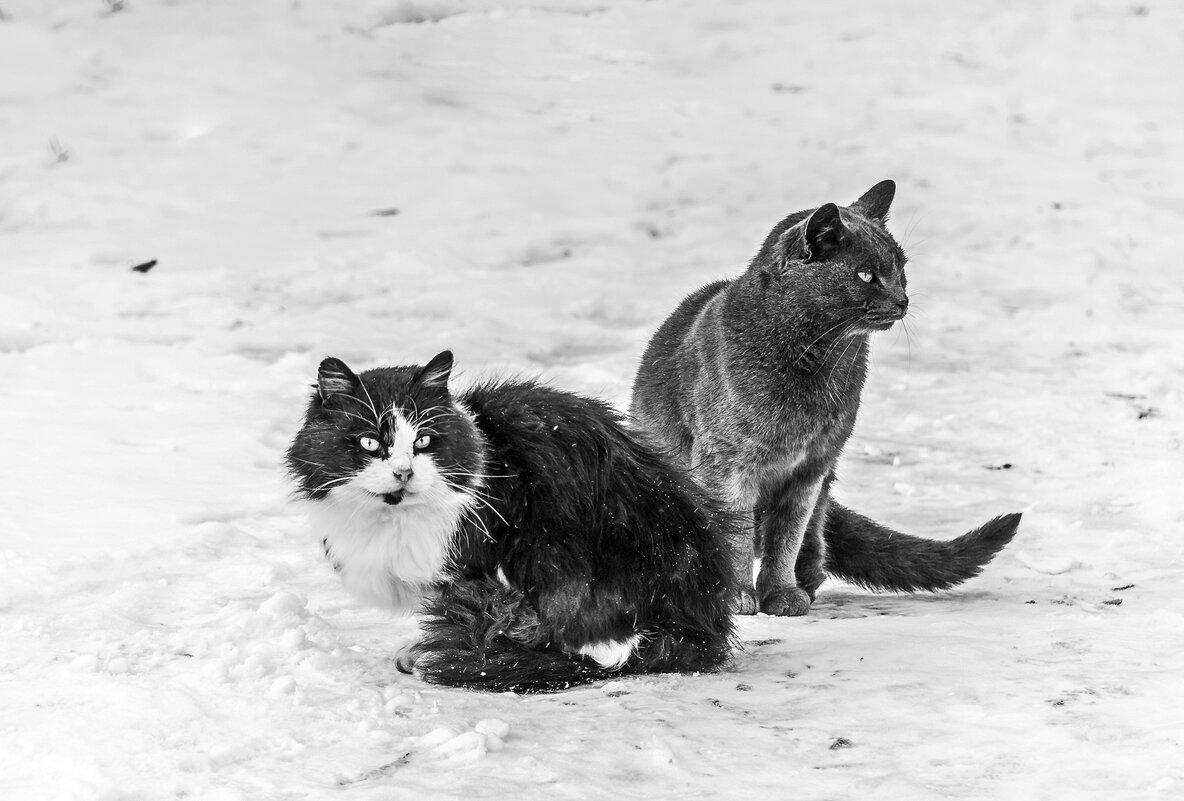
535 184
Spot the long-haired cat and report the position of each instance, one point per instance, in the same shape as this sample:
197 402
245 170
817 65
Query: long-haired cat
755 382
544 544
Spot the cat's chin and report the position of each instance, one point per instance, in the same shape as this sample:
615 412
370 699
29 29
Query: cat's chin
393 498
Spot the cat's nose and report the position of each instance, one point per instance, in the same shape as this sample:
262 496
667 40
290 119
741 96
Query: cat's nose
404 474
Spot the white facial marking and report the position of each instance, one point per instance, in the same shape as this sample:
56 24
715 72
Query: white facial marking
389 555
402 469
403 449
611 654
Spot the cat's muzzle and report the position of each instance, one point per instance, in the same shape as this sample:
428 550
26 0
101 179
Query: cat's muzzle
393 498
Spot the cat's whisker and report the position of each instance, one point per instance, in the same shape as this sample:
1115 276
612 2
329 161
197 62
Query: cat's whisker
357 417
841 337
479 475
370 401
331 482
472 517
806 350
484 501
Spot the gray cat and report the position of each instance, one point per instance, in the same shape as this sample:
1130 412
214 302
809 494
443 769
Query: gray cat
755 383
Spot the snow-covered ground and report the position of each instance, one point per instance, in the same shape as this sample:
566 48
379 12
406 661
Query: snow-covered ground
536 184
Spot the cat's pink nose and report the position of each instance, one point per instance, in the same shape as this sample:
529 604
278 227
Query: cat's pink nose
403 475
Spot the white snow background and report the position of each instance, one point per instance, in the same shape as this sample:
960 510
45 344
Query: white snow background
536 184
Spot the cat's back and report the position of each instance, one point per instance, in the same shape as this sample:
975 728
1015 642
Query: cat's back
530 425
675 328
658 389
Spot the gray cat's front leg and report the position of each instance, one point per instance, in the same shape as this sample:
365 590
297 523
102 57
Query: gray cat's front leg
788 509
743 559
717 475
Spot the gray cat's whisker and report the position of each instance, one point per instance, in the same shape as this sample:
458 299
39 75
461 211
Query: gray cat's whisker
806 350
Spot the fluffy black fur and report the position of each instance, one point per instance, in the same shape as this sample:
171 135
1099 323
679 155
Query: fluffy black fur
598 536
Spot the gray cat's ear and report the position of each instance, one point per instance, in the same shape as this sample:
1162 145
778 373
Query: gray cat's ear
334 378
876 201
436 372
824 232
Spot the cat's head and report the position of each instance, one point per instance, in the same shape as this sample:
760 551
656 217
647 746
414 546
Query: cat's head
390 436
841 262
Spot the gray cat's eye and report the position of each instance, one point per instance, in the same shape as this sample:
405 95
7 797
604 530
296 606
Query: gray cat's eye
368 443
865 276
422 442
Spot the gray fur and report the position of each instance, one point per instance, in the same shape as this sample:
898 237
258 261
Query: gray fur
755 382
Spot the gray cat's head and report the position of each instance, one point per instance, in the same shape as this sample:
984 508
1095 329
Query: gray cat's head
837 265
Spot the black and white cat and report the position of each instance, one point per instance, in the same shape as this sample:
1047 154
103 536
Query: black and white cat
544 544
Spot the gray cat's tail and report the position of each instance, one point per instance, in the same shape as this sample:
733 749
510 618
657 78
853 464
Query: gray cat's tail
866 553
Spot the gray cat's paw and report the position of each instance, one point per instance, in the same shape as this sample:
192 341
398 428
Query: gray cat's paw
744 602
786 602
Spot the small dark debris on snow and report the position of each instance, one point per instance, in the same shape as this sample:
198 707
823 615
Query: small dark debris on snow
1004 466
614 694
59 151
392 212
841 742
787 88
1029 602
1113 602
761 643
1123 587
1125 396
379 772
742 687
1148 411
145 266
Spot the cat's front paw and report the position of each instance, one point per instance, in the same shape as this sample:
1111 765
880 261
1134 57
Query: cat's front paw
786 602
406 658
744 602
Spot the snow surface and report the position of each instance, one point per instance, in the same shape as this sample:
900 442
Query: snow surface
535 184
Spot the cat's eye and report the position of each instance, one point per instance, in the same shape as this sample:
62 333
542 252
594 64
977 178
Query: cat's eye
368 444
422 442
866 276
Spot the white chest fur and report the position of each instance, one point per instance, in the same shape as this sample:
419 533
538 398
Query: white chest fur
387 555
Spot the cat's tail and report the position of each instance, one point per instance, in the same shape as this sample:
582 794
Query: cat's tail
864 552
480 635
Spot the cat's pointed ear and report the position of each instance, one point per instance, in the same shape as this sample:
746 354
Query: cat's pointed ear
436 372
876 201
824 232
334 378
